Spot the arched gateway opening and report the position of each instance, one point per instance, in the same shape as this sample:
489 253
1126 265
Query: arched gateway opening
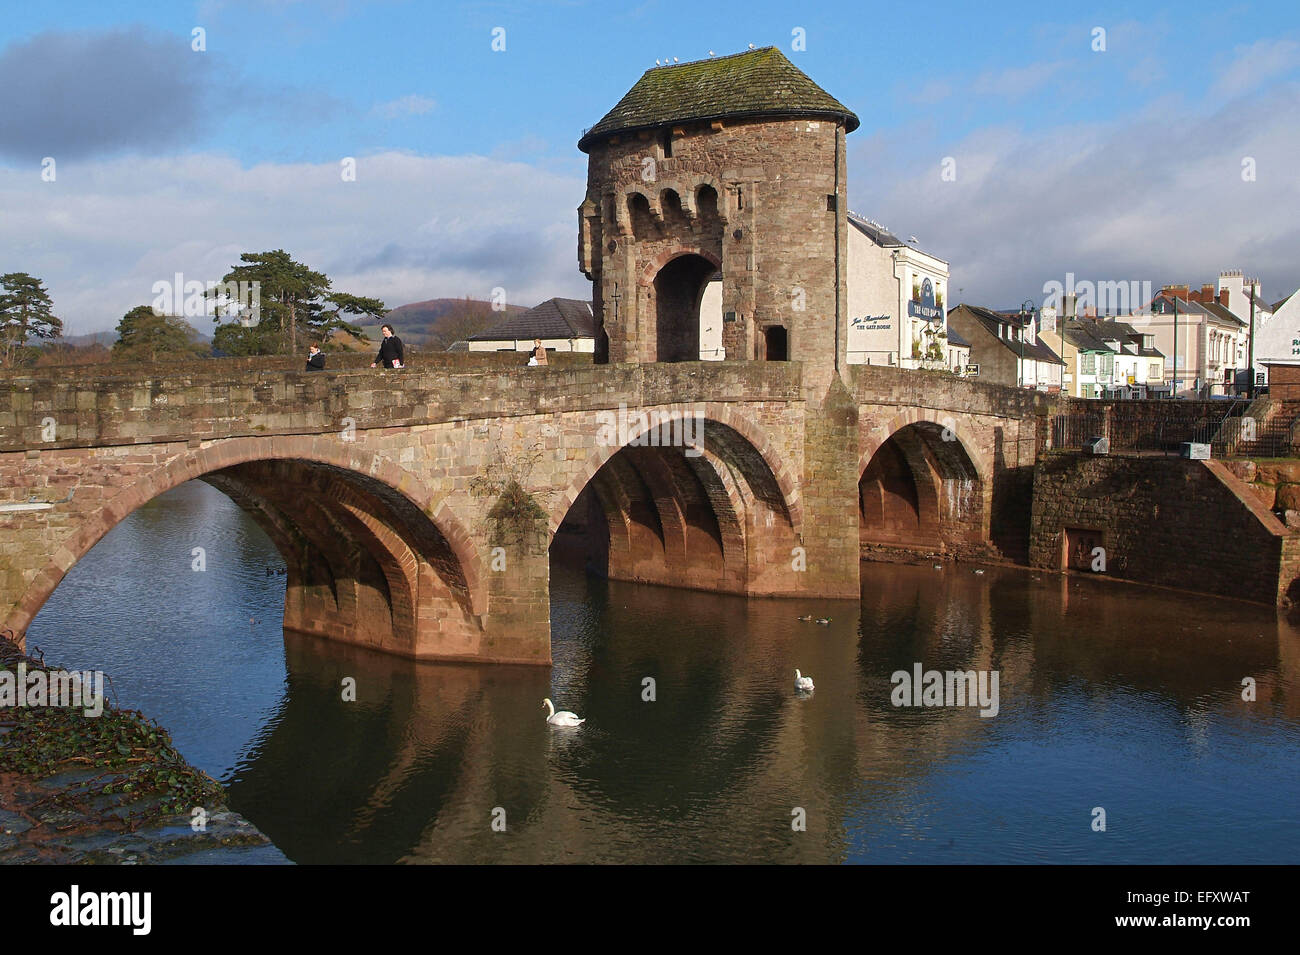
710 516
678 289
921 491
363 562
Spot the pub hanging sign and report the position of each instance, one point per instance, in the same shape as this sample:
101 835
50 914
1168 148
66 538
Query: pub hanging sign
922 304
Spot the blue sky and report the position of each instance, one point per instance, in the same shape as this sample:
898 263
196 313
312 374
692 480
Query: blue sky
1122 164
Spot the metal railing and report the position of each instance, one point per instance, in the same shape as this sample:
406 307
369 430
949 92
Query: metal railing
1276 436
1141 430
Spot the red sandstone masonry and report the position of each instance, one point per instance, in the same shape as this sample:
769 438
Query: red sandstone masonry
1186 524
785 474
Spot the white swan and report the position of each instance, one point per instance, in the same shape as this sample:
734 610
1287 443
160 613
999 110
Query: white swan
803 683
561 718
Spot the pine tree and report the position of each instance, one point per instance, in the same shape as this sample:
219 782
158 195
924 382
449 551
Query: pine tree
26 312
293 299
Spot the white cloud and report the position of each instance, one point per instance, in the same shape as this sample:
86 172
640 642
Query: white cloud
409 228
1157 197
1256 64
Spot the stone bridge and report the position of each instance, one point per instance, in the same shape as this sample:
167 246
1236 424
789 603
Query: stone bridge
418 512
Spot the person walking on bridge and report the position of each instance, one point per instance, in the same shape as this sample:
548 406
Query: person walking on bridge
390 350
315 359
539 353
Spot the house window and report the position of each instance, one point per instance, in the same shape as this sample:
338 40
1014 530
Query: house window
830 202
1088 364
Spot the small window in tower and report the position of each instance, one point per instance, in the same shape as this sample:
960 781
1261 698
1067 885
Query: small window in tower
667 140
740 198
776 343
830 202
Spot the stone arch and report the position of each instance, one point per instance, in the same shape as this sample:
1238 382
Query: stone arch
656 265
670 204
368 480
685 198
873 437
698 182
711 202
923 484
643 212
678 291
725 519
714 411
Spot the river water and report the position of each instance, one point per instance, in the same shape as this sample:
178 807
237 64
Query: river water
1112 698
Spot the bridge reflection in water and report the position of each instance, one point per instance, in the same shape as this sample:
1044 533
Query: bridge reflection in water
713 768
1111 695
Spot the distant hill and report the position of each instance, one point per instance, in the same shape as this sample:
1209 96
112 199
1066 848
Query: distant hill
94 338
439 322
108 338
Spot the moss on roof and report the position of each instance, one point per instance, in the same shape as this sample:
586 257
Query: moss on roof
753 83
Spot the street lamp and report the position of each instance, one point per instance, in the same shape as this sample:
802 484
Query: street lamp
1026 311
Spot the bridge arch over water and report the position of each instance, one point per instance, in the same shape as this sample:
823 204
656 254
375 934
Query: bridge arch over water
368 557
723 514
921 486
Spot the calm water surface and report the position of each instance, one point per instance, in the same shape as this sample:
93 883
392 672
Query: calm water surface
1112 696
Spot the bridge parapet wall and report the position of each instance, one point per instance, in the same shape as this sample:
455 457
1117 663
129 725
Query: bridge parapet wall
880 384
45 412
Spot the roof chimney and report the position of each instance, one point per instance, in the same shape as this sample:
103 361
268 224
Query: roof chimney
1223 297
1069 306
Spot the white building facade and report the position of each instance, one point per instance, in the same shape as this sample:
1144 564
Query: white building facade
896 301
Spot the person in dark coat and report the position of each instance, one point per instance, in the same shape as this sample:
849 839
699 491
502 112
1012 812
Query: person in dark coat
390 350
315 359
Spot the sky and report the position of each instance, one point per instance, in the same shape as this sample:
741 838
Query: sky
1162 148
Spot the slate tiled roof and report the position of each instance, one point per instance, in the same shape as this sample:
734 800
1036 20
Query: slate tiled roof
1219 311
1082 338
753 83
554 318
991 320
874 232
1108 329
955 339
1165 299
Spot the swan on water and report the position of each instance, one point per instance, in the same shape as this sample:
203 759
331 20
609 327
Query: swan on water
806 618
802 682
560 718
823 620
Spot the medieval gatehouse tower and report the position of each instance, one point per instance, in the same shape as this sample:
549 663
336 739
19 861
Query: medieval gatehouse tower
735 166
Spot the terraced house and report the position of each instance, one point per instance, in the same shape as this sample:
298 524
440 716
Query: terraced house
1006 347
1089 362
